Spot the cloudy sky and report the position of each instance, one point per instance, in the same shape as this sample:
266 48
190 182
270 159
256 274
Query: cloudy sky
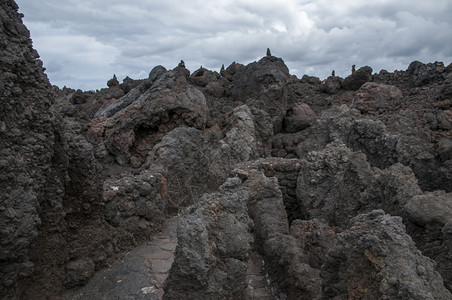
84 42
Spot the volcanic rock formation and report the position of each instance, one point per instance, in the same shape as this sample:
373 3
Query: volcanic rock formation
284 188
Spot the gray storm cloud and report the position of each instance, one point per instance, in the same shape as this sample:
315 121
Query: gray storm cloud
82 43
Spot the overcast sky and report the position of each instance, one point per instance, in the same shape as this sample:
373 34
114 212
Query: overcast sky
84 42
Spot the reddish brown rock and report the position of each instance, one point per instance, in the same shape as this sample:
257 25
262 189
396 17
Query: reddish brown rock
298 118
377 98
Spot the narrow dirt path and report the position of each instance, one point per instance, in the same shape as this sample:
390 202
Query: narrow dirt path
138 275
258 287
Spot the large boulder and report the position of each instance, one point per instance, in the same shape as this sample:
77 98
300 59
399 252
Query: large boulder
357 79
331 85
332 174
336 184
422 74
377 98
135 123
247 133
246 137
377 245
298 118
135 202
182 158
262 85
430 208
213 247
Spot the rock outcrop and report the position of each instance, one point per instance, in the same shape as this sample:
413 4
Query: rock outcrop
27 148
263 85
376 245
214 244
286 188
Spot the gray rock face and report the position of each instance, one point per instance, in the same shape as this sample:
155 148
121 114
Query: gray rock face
87 176
263 85
183 160
248 134
213 247
298 118
286 252
401 138
138 121
430 208
376 97
27 142
334 173
331 85
357 79
135 199
339 173
376 245
424 73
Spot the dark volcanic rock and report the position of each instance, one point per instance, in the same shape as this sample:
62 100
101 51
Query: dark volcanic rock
298 118
357 79
87 176
331 85
182 158
262 85
334 173
287 262
337 172
213 247
376 98
27 142
138 200
138 121
378 246
430 208
401 138
424 73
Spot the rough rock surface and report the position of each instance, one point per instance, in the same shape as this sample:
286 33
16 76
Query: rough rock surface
163 102
337 172
377 245
357 79
88 176
182 159
374 97
27 147
433 207
331 85
263 84
213 247
298 118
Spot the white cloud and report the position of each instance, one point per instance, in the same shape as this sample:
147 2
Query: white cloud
82 43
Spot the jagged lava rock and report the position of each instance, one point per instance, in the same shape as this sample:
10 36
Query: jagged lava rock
376 97
430 208
331 85
182 158
377 245
213 247
339 173
357 79
139 120
263 84
27 142
298 118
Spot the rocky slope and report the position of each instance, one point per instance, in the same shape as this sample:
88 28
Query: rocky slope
342 187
